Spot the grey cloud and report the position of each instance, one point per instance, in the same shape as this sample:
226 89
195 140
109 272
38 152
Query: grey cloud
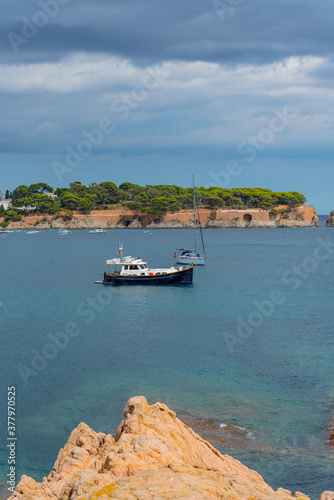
256 31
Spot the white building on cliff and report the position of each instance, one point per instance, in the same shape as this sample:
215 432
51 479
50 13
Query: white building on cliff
5 203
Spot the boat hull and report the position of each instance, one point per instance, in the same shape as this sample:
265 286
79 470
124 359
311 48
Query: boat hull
199 261
184 277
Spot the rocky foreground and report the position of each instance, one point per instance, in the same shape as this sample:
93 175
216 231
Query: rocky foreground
153 456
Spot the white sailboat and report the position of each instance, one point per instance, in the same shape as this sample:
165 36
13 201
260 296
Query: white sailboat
185 256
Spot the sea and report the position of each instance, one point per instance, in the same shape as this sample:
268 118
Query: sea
244 356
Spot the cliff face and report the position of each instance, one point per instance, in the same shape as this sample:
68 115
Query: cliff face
153 455
299 217
330 219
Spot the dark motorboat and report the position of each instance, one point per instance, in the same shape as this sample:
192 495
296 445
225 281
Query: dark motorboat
134 271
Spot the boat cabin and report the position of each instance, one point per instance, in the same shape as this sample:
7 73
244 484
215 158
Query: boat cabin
185 253
134 266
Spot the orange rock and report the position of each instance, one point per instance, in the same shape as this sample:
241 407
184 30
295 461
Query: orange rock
153 455
331 439
327 495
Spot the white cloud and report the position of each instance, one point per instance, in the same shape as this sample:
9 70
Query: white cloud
194 103
73 74
83 72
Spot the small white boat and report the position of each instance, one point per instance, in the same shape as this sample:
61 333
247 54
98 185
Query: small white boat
63 231
32 231
97 231
5 231
189 256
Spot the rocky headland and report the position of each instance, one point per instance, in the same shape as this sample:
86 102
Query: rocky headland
302 216
330 219
153 456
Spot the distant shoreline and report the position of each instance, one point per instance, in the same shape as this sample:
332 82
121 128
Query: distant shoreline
302 216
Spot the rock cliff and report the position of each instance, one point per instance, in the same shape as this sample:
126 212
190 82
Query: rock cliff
302 216
330 219
153 455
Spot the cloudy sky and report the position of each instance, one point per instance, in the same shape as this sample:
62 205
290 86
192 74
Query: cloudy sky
238 91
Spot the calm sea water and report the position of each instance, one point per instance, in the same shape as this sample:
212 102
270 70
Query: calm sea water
270 396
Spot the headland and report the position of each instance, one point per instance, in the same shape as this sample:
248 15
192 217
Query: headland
129 205
282 216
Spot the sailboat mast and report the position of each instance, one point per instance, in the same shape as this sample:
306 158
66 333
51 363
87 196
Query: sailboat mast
194 199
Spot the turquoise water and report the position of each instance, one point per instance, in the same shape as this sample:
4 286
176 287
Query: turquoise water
270 396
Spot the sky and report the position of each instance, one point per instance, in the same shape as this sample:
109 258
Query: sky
239 92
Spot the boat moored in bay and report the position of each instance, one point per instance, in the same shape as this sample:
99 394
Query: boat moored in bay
184 256
97 231
63 232
134 271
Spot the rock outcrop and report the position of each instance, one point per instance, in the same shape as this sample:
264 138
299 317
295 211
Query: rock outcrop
153 455
330 219
327 495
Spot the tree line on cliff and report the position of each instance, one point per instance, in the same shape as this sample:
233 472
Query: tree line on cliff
151 199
